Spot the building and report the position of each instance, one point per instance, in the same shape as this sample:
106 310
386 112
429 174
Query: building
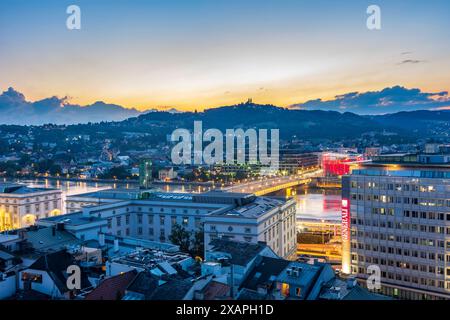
48 275
21 206
233 260
395 216
255 272
294 161
75 203
145 174
154 261
150 215
262 219
167 174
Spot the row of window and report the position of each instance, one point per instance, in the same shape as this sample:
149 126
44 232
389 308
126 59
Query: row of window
438 257
399 187
401 200
150 220
401 239
399 226
407 279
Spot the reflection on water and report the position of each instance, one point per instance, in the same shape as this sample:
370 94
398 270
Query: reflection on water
317 203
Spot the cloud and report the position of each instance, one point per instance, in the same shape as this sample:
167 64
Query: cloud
392 99
411 61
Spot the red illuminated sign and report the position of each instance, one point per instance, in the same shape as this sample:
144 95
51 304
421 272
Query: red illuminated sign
345 209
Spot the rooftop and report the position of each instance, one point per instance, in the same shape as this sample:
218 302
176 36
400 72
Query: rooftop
112 288
50 239
258 207
300 273
265 273
12 188
149 259
239 253
120 194
152 287
73 219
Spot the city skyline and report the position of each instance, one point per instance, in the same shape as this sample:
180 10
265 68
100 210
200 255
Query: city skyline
169 54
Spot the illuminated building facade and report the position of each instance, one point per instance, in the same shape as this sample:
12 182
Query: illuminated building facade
335 164
21 206
399 210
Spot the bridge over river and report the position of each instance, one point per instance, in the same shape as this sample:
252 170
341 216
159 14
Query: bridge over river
266 185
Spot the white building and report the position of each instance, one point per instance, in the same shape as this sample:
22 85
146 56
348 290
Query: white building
269 220
20 205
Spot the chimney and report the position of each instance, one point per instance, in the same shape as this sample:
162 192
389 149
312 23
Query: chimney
116 245
101 239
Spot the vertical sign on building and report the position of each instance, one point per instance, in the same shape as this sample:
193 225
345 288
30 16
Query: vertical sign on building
345 231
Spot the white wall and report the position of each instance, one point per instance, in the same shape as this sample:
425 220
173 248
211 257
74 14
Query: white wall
47 286
7 287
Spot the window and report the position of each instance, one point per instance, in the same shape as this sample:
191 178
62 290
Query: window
32 277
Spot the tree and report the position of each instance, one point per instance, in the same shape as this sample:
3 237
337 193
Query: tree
180 237
198 243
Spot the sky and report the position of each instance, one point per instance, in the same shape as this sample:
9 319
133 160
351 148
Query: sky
193 54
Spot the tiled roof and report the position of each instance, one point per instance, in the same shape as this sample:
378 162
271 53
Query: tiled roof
215 290
112 288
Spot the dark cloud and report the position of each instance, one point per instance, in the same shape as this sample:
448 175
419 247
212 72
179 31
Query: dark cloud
411 61
388 100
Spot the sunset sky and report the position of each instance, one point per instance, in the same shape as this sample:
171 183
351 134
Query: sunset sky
192 54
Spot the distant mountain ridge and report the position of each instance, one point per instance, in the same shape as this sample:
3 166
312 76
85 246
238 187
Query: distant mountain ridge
302 123
15 109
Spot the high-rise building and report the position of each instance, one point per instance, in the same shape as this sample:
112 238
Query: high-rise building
396 219
145 174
